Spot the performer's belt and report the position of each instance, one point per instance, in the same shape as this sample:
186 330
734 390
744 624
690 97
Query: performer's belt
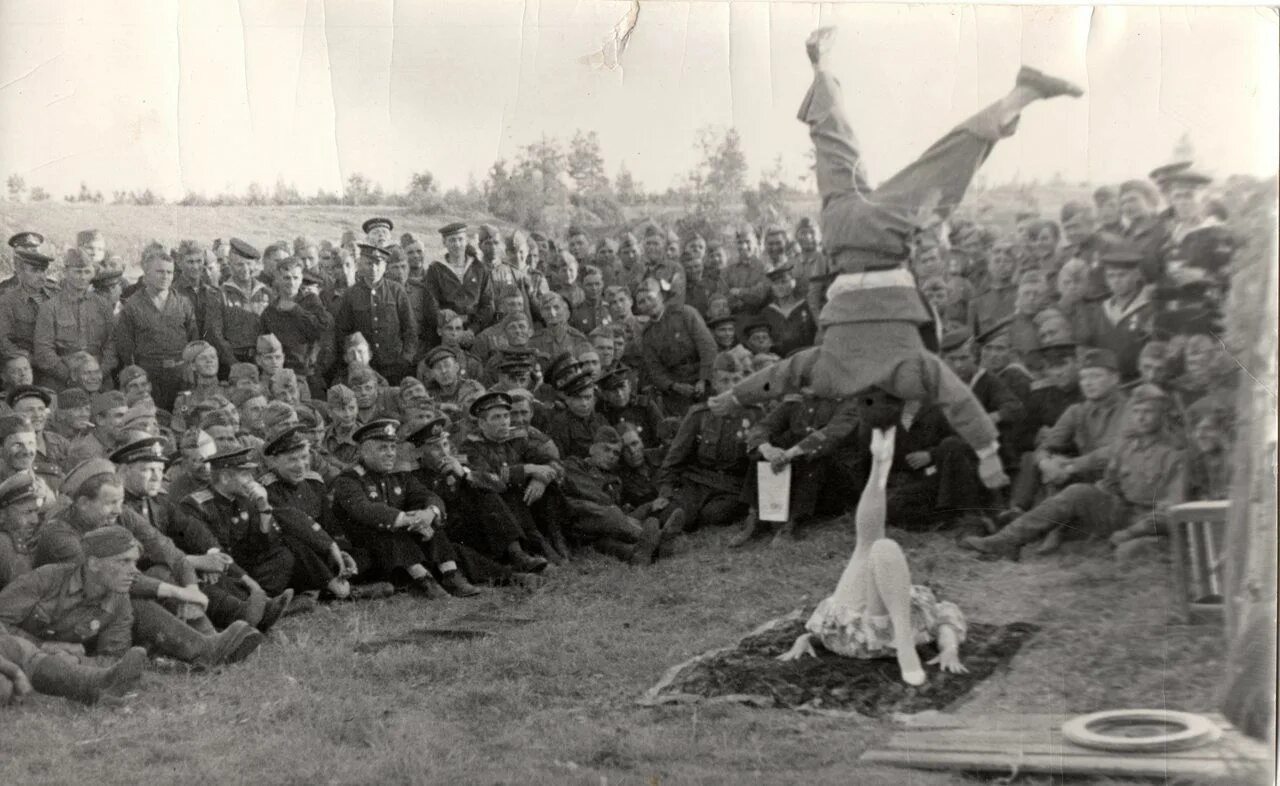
872 279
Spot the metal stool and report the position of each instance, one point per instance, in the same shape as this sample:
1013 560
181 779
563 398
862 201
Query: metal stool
1199 534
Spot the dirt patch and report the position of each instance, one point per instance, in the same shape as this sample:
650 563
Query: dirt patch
749 673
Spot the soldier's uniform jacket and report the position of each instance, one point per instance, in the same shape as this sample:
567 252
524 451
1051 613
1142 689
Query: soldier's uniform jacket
342 448
384 316
58 540
586 317
470 296
505 460
18 310
643 412
991 306
1145 470
1127 328
792 329
815 423
238 529
548 346
573 435
678 347
68 323
1091 429
708 450
50 604
302 331
235 326
668 272
52 450
457 399
369 502
187 532
748 276
203 298
310 497
590 489
639 484
13 563
85 447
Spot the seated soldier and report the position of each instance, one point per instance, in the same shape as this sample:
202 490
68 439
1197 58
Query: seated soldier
395 519
933 480
73 416
57 606
189 469
20 509
529 472
448 388
574 425
1004 408
135 384
250 404
300 499
602 342
513 372
703 469
25 668
1057 388
638 467
996 356
50 458
512 333
1143 477
594 495
345 411
724 329
525 409
285 385
805 432
475 518
274 550
452 328
233 594
787 312
1079 444
243 375
269 357
106 410
619 404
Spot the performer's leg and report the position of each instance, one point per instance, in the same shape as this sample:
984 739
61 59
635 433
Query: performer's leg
891 584
837 158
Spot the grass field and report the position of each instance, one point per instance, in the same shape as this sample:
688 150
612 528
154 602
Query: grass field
553 701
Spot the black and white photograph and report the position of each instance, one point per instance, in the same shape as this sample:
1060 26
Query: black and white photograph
642 392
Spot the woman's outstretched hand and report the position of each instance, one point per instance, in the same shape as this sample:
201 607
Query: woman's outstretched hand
802 647
949 661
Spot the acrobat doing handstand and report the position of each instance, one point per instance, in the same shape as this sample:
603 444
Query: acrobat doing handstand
871 321
875 610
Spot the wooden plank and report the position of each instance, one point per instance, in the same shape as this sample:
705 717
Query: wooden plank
1057 748
1057 765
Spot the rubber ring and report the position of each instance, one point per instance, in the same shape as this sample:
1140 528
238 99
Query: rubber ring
1090 731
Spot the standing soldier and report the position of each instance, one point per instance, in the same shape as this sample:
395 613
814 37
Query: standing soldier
20 304
92 245
395 518
234 327
73 321
155 326
299 320
813 274
460 282
377 231
27 241
193 282
379 309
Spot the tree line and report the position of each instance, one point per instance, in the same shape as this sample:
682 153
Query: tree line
545 183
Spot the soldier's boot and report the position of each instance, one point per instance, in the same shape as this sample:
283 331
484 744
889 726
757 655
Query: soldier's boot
674 525
614 548
548 550
274 610
232 645
430 588
997 546
457 585
373 591
1051 543
646 549
751 526
556 535
522 561
255 607
58 676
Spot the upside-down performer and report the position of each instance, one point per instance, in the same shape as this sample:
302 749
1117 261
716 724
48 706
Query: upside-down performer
873 314
875 610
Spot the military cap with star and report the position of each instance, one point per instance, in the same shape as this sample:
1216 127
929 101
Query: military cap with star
577 384
376 253
29 391
242 249
286 442
453 229
374 223
438 354
383 430
615 379
144 449
32 258
488 401
19 487
429 432
30 240
235 458
779 271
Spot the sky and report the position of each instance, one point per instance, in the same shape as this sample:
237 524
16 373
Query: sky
209 96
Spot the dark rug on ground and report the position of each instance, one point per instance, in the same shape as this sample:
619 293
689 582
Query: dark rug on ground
750 673
473 625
